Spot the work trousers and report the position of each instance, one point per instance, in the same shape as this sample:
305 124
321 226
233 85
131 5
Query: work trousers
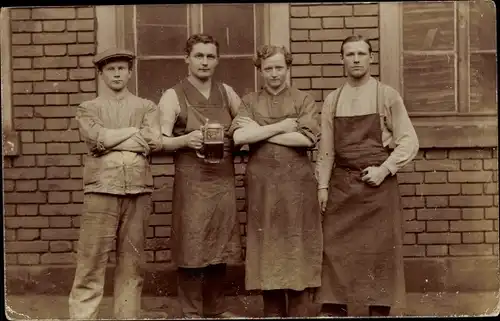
107 219
275 303
201 290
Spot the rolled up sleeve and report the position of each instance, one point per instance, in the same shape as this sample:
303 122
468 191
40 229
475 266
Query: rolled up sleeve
91 127
309 119
150 127
244 110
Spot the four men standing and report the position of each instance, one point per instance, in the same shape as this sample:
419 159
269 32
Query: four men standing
354 256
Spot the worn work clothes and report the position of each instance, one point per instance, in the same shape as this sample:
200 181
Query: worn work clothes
363 261
284 238
107 219
396 126
112 171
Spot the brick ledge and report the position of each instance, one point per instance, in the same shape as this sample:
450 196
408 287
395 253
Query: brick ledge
469 274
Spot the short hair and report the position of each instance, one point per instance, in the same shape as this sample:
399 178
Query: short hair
130 62
200 38
354 39
267 51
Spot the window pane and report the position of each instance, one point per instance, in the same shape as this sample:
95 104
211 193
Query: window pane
482 25
483 82
232 25
161 29
238 73
428 26
156 76
429 83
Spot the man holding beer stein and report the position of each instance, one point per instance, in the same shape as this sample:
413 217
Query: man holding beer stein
195 116
284 236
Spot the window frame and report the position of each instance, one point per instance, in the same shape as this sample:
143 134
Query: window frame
112 29
11 142
446 129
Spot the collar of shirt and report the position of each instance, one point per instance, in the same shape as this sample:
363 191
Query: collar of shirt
275 93
117 97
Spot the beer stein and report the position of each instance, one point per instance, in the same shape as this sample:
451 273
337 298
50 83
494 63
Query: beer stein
213 143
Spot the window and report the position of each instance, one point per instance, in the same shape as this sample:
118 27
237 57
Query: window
446 70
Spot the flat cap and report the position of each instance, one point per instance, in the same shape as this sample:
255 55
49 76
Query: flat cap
111 54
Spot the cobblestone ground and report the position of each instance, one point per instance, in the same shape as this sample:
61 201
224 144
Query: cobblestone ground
418 304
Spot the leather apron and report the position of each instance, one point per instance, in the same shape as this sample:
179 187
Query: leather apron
362 226
284 236
205 226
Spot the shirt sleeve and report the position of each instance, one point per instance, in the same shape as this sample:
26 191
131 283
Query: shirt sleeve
169 109
90 126
404 136
244 110
324 163
234 99
150 127
309 119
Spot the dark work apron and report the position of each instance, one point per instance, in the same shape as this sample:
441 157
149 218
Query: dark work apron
205 226
362 227
284 237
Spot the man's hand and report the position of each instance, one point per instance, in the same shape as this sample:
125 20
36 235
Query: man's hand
288 125
374 175
194 139
323 199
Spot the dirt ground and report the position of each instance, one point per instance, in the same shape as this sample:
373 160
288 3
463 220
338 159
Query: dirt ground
39 307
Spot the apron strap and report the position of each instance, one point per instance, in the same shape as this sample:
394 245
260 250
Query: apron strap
181 97
225 99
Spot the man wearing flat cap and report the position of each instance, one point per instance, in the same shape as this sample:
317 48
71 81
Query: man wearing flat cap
120 130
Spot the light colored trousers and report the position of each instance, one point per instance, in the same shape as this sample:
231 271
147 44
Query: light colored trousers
107 218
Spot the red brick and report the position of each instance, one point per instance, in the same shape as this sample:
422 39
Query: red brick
413 202
438 214
299 11
471 201
60 246
27 209
55 50
318 97
58 172
27 137
60 185
22 63
471 249
305 47
330 11
24 161
436 154
437 226
163 256
330 83
410 178
55 111
85 37
160 219
491 213
81 49
407 190
22 88
495 224
491 237
301 83
23 112
26 247
54 38
150 256
59 197
58 136
21 39
471 164
82 74
76 99
305 23
53 13
26 186
57 258
26 26
157 244
408 168
20 14
163 231
9 209
28 123
60 234
163 159
332 22
11 259
491 189
88 86
332 46
60 221
409 238
8 186
26 222
28 234
361 22
10 235
56 87
370 34
469 154
27 75
472 213
28 258
436 250
56 99
490 164
54 25
438 189
471 225
495 249
472 189
63 209
439 238
24 173
470 177
81 25
473 237
437 165
330 34
163 207
57 148
414 226
299 35
28 100
85 13
75 221
306 71
366 9
56 123
55 62
436 201
333 71
76 172
77 197
413 250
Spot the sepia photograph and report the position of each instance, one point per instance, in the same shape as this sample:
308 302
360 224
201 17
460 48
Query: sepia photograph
250 160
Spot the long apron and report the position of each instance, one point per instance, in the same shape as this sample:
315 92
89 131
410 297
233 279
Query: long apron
362 227
205 227
284 237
